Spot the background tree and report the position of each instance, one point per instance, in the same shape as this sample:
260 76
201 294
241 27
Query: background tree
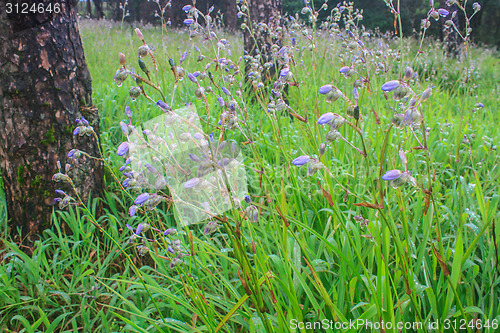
44 86
260 38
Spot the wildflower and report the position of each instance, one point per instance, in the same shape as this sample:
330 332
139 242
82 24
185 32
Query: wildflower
321 149
392 174
408 73
325 118
188 21
443 12
192 182
476 6
314 166
344 69
325 89
128 111
141 198
247 198
390 85
211 227
301 160
132 210
139 34
187 8
426 94
122 148
252 213
164 106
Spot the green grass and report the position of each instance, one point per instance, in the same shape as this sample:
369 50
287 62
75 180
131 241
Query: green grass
306 259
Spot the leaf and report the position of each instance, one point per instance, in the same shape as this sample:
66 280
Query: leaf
367 205
442 264
326 194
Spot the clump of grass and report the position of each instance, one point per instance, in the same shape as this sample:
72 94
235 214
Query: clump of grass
372 187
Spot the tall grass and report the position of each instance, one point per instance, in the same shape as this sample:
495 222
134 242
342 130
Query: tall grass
339 245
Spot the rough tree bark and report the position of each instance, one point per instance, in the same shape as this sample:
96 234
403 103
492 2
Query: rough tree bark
44 86
265 17
230 15
98 9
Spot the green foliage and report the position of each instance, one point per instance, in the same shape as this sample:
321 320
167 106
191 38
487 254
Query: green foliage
308 258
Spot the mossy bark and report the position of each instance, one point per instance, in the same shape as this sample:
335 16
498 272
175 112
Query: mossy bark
44 86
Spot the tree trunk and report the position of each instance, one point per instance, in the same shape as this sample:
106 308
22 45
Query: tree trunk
44 86
263 36
230 15
89 8
98 9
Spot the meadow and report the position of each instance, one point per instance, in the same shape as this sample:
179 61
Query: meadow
372 191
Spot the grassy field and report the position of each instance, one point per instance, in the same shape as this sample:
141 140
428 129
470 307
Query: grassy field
334 242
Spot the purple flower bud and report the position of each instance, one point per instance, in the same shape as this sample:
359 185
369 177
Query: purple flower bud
284 72
192 78
350 34
171 250
344 69
151 168
60 192
211 137
247 199
443 12
198 136
220 100
126 182
227 92
129 227
132 210
124 128
188 21
186 8
123 168
192 182
325 89
194 158
301 160
128 111
390 85
122 149
392 174
164 106
76 131
355 93
294 41
84 121
72 152
325 118
139 228
141 198
431 3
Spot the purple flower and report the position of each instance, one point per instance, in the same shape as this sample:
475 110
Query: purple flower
191 182
284 72
355 93
188 21
128 112
122 149
141 198
164 106
194 158
443 12
325 89
392 174
60 192
301 160
325 118
294 41
227 92
126 182
76 131
220 100
186 8
344 69
139 228
72 152
247 199
390 85
192 78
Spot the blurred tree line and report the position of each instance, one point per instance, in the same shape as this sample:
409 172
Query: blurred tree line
376 15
